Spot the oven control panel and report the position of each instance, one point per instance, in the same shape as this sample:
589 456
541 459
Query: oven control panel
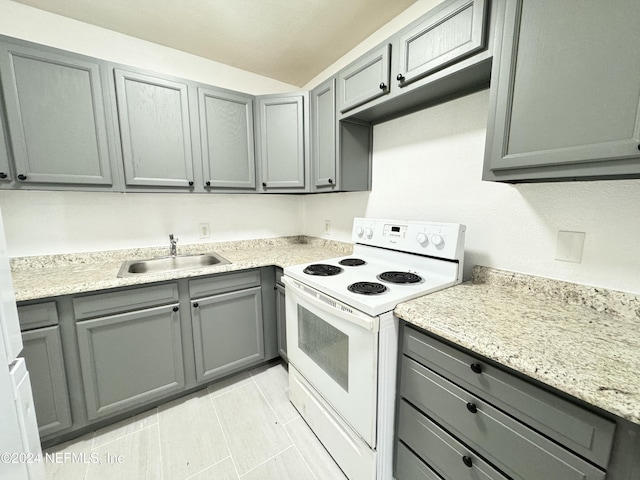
443 240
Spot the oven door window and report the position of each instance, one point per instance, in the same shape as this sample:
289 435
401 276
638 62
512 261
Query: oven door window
327 346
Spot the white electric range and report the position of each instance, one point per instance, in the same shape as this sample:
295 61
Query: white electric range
342 335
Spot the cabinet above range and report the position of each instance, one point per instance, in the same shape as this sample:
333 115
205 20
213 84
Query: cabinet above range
444 54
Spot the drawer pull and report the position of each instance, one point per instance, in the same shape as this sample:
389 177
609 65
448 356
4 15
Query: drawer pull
472 407
467 461
476 368
175 309
195 305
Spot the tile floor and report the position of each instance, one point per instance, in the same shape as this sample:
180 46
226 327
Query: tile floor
241 428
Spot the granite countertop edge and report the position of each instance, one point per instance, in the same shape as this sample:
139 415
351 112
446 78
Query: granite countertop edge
582 341
39 277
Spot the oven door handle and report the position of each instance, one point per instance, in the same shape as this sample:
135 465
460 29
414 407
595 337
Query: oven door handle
346 313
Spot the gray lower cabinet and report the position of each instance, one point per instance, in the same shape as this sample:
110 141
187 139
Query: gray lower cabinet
155 133
283 142
366 79
227 332
565 100
462 418
130 359
281 317
323 135
43 354
226 137
56 115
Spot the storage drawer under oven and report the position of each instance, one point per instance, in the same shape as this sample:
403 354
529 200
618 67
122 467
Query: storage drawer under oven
510 445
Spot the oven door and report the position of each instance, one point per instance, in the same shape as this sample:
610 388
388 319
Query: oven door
335 348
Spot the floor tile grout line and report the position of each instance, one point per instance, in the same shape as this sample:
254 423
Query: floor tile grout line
211 466
299 452
159 443
268 460
233 389
224 435
125 436
93 447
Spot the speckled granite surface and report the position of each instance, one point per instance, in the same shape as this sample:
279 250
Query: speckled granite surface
53 275
583 341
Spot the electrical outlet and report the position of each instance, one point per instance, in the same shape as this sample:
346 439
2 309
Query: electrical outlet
327 227
569 246
203 228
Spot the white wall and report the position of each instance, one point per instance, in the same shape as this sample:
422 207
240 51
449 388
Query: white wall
40 223
428 166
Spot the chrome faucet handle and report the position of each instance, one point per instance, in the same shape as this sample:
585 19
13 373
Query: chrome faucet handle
173 245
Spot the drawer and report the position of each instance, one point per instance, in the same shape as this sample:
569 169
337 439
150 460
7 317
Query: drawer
110 303
409 467
224 283
450 458
37 315
517 450
578 429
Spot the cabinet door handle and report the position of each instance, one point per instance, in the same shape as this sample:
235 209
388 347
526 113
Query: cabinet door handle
22 176
208 184
190 183
476 368
264 184
3 175
472 407
330 182
467 461
175 309
383 86
196 305
400 77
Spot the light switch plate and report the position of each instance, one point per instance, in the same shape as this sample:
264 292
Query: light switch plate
569 246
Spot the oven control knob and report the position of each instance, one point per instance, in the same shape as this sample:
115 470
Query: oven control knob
422 239
359 231
368 232
437 240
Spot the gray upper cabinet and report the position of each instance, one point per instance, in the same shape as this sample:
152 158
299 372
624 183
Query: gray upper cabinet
323 135
155 133
365 80
226 137
56 116
283 143
565 95
444 36
5 170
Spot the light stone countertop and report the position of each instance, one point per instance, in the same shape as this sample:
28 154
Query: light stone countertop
66 274
583 341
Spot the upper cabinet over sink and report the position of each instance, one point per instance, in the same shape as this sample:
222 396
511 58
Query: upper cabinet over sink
565 94
153 115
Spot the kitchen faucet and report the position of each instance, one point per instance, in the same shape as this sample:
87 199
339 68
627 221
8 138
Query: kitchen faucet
173 242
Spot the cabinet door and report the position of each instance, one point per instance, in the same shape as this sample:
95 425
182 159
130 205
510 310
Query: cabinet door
365 80
281 318
56 116
282 142
323 135
43 354
154 129
226 136
227 332
5 171
451 32
565 100
130 359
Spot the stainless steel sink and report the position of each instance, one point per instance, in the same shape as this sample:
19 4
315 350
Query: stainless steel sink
170 264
